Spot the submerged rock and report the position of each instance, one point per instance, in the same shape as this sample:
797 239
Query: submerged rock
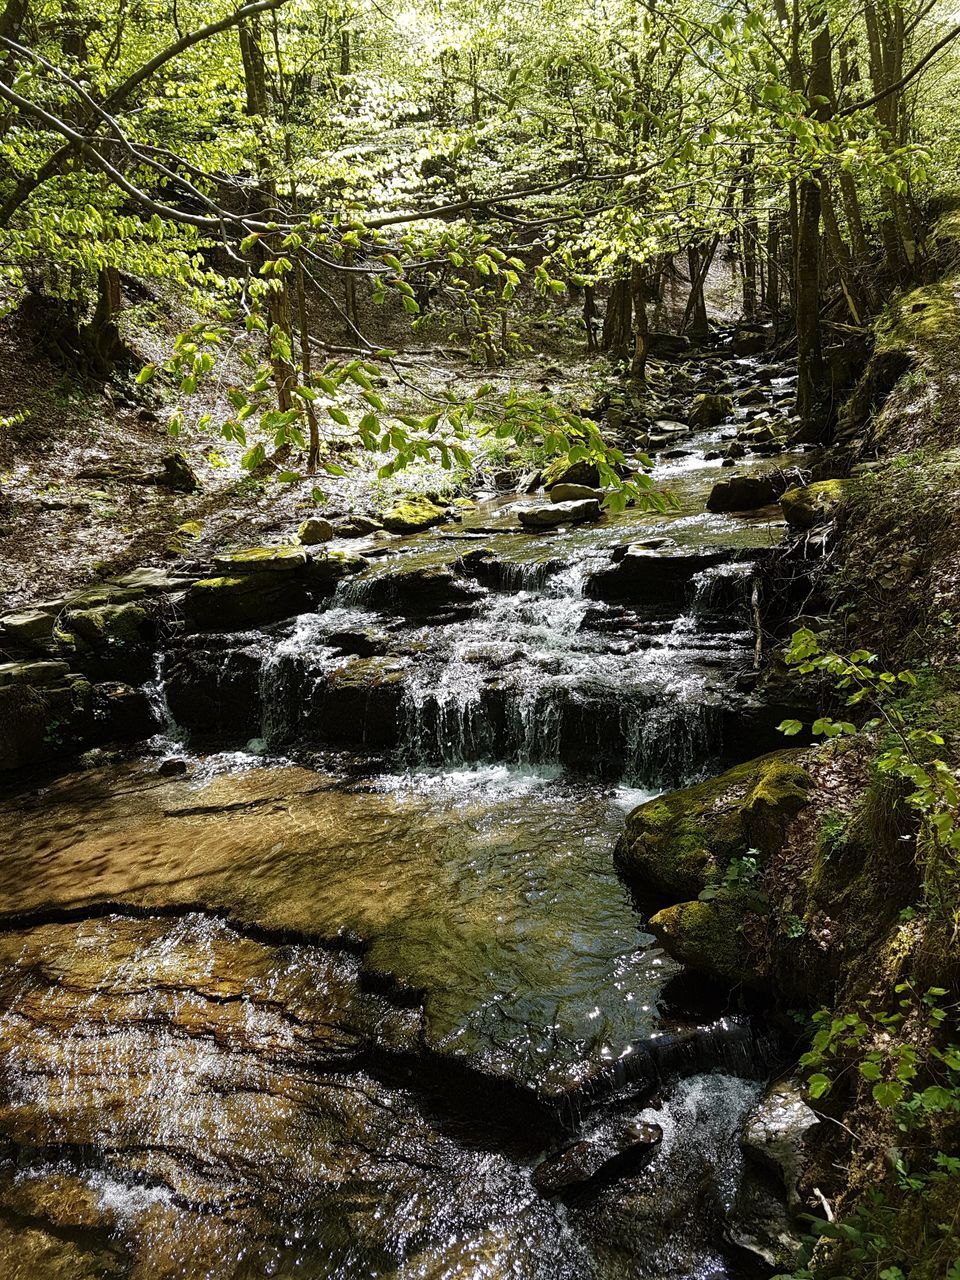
413 515
624 1149
418 589
557 513
814 503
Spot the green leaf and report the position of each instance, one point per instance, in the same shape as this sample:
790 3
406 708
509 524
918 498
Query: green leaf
818 1085
887 1093
790 727
145 374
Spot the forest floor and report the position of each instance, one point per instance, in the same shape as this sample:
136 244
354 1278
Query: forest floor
78 458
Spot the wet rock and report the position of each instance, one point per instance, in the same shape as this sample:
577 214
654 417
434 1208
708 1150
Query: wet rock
324 570
709 410
745 493
213 688
122 713
356 527
748 343
367 643
314 530
561 471
814 503
172 767
651 574
413 515
419 589
557 513
775 1132
685 840
529 482
245 599
261 560
177 473
357 704
575 493
753 396
620 1150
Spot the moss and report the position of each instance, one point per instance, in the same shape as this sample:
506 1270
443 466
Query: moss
121 625
262 560
413 514
814 503
706 936
679 842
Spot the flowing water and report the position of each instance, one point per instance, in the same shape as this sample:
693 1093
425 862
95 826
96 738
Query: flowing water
320 1005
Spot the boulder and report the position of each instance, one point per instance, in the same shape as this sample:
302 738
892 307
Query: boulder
44 712
261 560
706 936
557 513
244 599
108 641
813 504
775 1131
709 410
413 514
177 473
685 840
562 471
575 493
122 713
313 530
745 493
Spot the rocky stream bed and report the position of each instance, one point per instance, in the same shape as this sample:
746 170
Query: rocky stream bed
330 973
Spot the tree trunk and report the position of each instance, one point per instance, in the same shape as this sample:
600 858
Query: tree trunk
615 338
750 237
641 328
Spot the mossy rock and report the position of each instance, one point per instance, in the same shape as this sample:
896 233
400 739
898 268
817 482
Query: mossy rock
107 626
683 840
244 600
709 410
813 503
561 471
261 560
313 530
413 515
325 570
705 936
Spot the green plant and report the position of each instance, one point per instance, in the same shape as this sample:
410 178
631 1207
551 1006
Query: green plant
909 751
739 876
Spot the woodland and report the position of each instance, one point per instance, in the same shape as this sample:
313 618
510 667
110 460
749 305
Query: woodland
456 393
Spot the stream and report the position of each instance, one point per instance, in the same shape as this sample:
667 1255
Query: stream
335 978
